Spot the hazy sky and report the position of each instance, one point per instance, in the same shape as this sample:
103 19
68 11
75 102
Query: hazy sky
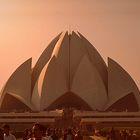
27 26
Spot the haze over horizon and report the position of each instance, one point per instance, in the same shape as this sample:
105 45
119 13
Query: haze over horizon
27 27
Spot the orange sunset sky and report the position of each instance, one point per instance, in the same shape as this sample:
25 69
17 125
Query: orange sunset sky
27 26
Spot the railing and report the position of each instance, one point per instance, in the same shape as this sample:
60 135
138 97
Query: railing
105 114
29 120
90 120
49 114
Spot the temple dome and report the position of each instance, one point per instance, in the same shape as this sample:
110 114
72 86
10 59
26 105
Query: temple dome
70 73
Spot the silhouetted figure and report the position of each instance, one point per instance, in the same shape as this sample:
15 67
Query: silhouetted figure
69 135
1 134
78 136
7 134
112 134
27 134
54 135
37 132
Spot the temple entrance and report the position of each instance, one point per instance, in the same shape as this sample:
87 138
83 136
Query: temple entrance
68 102
66 121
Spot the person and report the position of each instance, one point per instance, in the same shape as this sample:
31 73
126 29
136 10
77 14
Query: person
27 134
78 136
112 134
7 134
54 135
49 134
1 134
68 135
37 132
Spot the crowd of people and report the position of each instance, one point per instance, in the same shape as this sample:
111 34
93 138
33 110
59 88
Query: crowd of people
116 134
40 132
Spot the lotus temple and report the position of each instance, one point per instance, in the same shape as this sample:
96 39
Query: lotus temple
70 75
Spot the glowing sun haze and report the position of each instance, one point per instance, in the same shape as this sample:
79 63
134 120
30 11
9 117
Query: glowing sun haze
28 26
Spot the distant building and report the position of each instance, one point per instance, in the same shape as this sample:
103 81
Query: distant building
70 73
